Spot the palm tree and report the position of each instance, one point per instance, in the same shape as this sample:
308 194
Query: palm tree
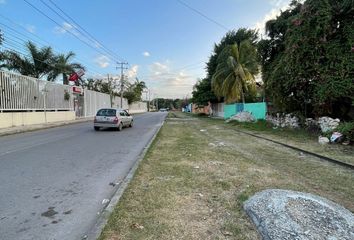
236 68
139 86
62 65
37 63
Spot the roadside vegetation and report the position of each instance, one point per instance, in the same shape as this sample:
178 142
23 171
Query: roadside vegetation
198 173
40 63
306 61
300 138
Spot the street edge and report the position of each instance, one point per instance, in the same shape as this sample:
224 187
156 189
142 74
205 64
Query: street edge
43 127
96 230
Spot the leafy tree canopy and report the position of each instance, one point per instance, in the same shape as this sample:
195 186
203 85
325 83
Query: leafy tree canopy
235 71
202 92
308 61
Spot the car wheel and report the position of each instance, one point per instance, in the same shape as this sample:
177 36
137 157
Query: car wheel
120 127
131 124
96 128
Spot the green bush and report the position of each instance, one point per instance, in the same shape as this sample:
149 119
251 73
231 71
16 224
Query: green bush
347 129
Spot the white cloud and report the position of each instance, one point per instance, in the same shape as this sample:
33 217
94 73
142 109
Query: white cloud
2 1
132 72
158 68
30 28
167 83
102 61
146 54
278 6
65 27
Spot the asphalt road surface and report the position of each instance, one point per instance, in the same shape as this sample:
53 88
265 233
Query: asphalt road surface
53 181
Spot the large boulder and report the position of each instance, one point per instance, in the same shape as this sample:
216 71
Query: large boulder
283 214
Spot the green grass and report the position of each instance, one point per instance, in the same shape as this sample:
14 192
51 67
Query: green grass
192 184
298 138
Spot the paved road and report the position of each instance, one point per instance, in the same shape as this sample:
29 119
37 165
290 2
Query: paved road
52 182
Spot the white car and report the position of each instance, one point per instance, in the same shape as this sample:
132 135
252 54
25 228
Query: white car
112 118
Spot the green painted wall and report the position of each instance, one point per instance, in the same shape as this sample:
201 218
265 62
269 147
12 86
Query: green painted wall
258 110
229 110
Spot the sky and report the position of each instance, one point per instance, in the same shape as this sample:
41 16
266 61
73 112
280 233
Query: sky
166 43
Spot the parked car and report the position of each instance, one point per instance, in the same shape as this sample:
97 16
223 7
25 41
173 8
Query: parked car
163 110
112 118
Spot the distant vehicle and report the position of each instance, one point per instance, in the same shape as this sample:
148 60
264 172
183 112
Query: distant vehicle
112 118
163 110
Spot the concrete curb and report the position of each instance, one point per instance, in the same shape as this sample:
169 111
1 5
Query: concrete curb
36 127
101 222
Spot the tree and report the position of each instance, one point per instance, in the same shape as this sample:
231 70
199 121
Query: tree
234 76
202 91
139 87
134 91
231 37
64 66
307 62
37 64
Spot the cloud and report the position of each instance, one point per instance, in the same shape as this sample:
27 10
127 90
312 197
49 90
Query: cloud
278 6
30 28
102 61
65 27
167 83
146 54
132 72
2 1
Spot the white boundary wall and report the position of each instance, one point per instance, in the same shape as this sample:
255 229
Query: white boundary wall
94 101
218 109
22 93
138 107
26 100
14 119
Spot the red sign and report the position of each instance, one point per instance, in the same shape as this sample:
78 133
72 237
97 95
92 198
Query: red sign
77 90
75 76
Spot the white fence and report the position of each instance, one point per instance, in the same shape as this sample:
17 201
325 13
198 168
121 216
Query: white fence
93 101
18 93
21 93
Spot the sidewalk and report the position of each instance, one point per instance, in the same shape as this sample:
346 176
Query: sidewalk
29 128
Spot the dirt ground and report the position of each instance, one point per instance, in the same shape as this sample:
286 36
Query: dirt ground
195 178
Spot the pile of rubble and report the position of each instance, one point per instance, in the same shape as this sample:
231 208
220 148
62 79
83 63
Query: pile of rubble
242 117
328 124
281 120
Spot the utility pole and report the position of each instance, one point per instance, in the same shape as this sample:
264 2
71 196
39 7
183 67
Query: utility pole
110 85
122 68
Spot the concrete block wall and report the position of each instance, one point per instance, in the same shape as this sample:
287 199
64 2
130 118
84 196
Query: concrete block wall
15 119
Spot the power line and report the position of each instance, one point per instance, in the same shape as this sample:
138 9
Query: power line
15 49
95 42
202 14
83 29
38 37
44 14
25 41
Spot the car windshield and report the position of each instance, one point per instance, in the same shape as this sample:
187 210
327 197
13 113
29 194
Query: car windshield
106 112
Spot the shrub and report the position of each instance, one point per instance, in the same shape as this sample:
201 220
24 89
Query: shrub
347 129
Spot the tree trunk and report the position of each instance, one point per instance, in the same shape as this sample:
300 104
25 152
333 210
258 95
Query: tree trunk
65 79
243 96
